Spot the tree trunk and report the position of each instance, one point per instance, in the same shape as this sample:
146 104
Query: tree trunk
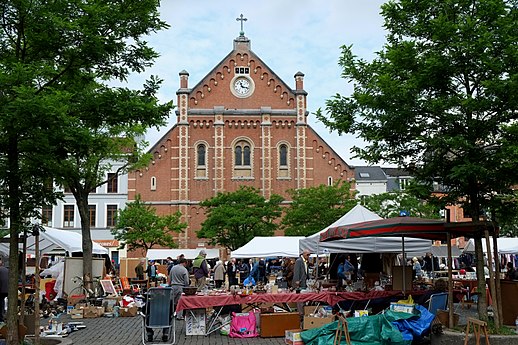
492 285
13 202
82 205
481 287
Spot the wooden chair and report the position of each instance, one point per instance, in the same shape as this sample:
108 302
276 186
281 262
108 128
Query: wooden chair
478 326
342 330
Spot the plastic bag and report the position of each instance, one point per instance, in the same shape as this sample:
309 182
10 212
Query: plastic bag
249 281
243 325
409 300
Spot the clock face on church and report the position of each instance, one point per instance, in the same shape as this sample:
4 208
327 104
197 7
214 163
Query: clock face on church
242 86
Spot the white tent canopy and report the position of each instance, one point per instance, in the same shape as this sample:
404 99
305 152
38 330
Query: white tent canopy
50 239
357 214
263 247
506 245
190 254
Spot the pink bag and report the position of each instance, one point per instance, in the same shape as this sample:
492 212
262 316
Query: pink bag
243 326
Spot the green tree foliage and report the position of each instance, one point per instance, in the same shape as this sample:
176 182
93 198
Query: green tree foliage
440 99
234 218
59 118
315 208
138 226
387 205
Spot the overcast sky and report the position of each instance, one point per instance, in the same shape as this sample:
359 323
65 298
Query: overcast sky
289 36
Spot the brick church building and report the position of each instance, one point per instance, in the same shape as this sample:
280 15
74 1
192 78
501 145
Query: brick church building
240 125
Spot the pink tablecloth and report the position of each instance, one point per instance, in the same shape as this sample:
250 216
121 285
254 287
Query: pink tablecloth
331 298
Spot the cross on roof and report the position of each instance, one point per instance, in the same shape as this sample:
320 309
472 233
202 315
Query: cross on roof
241 19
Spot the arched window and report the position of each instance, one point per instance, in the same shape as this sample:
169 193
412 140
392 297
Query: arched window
243 160
201 155
283 155
153 183
242 153
329 180
201 161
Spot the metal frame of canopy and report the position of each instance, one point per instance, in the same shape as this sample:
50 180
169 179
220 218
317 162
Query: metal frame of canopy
418 228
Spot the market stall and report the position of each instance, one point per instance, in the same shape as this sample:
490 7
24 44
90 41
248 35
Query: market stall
330 298
506 245
413 227
51 239
356 215
273 246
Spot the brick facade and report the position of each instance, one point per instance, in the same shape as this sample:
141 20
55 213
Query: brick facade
214 120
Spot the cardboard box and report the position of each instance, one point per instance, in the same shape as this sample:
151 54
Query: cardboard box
75 299
276 324
128 312
292 337
93 312
404 308
310 309
311 322
76 313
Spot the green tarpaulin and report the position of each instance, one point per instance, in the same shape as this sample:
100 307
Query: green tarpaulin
367 330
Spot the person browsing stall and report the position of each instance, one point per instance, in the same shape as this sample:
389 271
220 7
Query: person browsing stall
139 270
178 279
300 271
200 269
219 274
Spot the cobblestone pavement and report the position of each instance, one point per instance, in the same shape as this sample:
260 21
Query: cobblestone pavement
128 331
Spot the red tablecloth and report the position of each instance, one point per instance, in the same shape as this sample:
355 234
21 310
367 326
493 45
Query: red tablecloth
331 298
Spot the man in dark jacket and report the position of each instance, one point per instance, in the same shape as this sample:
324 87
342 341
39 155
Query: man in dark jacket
300 272
139 270
232 272
244 271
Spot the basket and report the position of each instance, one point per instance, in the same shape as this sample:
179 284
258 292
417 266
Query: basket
190 290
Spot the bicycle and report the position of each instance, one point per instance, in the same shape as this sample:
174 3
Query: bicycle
90 294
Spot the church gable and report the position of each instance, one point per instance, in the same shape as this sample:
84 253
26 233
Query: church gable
241 81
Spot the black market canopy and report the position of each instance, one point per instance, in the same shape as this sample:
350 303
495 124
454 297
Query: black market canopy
433 229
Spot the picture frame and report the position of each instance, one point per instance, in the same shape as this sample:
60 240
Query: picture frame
108 287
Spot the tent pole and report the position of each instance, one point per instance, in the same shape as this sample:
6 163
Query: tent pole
498 297
37 292
317 260
404 265
450 281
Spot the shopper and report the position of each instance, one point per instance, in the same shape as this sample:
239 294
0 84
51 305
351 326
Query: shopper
152 272
178 279
244 271
139 270
200 269
219 274
232 272
300 272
